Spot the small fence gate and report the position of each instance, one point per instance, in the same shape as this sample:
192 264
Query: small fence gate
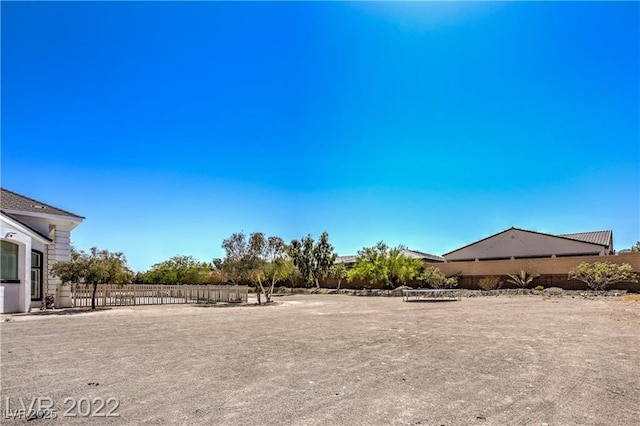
144 294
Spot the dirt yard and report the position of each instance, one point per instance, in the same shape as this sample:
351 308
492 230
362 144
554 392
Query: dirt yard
336 360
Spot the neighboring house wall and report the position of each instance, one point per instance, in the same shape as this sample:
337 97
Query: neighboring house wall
553 271
550 266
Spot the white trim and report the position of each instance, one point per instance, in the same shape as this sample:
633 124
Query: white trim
58 217
25 230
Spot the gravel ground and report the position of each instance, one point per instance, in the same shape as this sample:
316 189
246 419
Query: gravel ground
335 360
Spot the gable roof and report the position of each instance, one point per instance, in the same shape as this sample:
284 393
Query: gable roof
27 226
595 237
539 244
13 201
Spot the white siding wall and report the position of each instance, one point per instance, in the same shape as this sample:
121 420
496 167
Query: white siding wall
59 251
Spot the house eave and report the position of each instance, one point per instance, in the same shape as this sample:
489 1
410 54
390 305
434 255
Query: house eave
24 229
67 220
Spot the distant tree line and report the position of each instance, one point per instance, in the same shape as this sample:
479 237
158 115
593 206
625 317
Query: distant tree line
264 261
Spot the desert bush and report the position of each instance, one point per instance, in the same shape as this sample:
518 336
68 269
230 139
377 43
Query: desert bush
489 283
553 291
436 279
599 275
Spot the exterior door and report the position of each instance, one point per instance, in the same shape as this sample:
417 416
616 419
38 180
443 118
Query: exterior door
36 275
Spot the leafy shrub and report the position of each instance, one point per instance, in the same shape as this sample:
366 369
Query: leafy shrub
436 279
489 283
538 288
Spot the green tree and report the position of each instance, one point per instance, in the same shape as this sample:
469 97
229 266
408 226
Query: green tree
338 272
277 264
434 277
402 269
257 259
523 279
233 266
179 270
313 260
599 275
381 265
371 265
93 268
255 262
636 247
140 278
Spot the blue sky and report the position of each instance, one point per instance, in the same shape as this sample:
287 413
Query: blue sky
170 126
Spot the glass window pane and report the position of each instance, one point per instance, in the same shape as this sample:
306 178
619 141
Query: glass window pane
35 283
36 260
9 261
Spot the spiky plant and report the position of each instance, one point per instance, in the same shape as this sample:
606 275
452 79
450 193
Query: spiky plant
523 279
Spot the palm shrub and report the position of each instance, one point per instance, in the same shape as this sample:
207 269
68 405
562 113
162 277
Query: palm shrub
523 279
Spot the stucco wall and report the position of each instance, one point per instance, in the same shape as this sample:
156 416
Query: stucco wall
59 251
17 296
553 271
552 266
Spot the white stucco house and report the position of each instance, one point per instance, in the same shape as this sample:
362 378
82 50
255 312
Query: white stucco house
35 236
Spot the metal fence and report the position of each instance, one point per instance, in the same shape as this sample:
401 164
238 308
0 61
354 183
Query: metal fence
145 294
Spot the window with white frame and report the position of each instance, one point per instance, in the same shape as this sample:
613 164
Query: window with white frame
9 263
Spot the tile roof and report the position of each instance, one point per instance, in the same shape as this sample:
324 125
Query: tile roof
595 237
346 259
10 200
421 255
414 254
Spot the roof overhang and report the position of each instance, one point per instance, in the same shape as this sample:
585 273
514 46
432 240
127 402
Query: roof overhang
23 228
71 221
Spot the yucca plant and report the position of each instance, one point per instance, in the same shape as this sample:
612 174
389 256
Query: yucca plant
523 279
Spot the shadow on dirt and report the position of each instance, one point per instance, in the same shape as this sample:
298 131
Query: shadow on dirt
69 311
